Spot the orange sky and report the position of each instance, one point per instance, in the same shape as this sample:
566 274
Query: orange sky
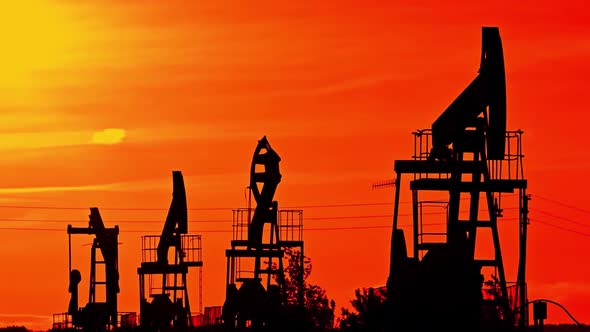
337 87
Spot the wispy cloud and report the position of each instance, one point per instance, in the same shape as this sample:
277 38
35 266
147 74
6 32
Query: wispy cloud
24 190
51 139
160 183
343 86
31 140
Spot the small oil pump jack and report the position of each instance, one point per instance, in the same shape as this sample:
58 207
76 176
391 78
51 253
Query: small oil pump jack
468 155
254 293
96 315
166 260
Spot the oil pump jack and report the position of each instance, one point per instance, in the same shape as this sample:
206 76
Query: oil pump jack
257 303
96 315
169 308
468 155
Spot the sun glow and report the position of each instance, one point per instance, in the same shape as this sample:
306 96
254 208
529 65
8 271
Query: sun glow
36 35
108 136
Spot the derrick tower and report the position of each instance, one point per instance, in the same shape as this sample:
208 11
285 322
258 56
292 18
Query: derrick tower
166 260
100 313
255 280
468 164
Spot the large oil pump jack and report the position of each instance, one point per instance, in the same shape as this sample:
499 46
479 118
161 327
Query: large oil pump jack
255 288
439 282
169 307
96 315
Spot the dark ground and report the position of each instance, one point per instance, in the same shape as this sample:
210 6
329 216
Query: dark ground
548 328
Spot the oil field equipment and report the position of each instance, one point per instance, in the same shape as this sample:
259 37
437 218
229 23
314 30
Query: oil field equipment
95 315
439 282
166 259
255 284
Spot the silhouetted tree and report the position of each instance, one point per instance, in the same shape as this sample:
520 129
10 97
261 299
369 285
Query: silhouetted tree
318 310
368 314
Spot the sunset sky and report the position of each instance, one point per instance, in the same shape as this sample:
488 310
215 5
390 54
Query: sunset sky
101 100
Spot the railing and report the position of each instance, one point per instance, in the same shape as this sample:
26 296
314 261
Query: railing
127 319
511 167
192 248
492 293
422 144
290 223
240 223
422 149
149 248
432 229
190 244
290 228
211 317
64 321
197 320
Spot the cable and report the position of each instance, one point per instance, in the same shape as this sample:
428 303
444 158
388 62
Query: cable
228 231
562 228
190 221
562 218
335 218
203 231
203 208
305 229
193 221
224 231
190 209
338 205
563 204
561 306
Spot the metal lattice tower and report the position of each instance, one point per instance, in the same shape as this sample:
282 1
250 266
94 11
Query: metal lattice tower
465 165
255 276
166 260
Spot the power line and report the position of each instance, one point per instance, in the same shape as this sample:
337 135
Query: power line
347 228
140 221
363 227
305 229
561 228
190 209
563 204
312 206
336 228
229 231
201 221
337 205
203 231
562 218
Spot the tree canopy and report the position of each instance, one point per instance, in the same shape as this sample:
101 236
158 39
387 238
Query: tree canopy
318 310
368 314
